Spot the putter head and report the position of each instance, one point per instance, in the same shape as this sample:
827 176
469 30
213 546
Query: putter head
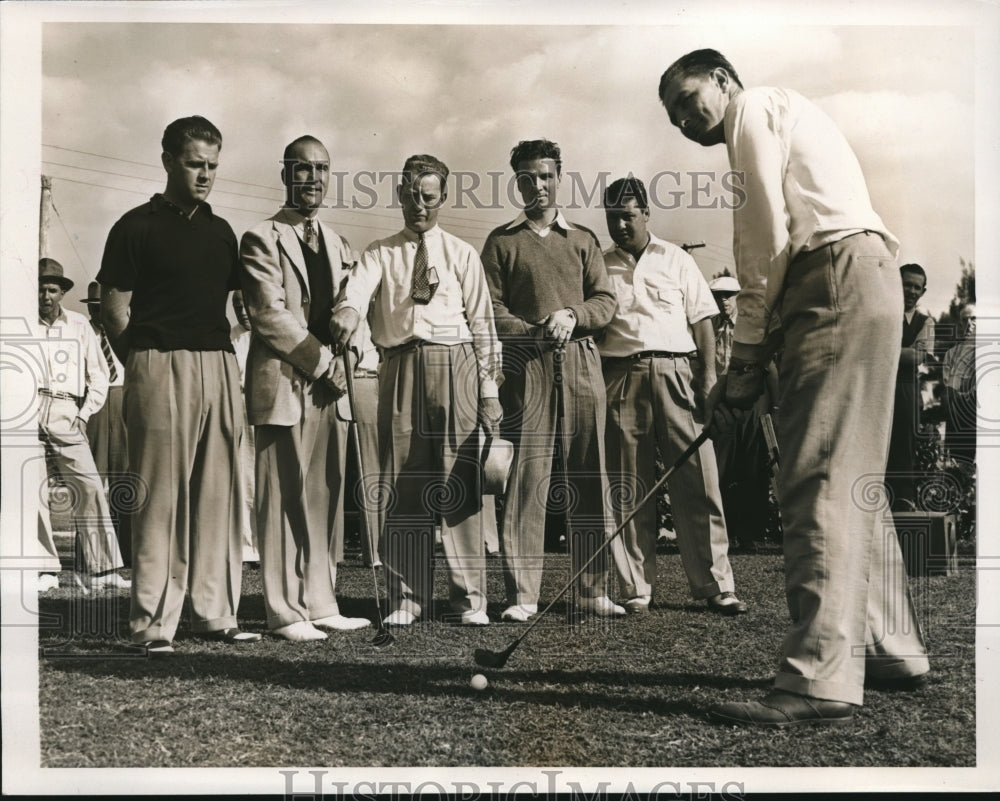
492 659
383 639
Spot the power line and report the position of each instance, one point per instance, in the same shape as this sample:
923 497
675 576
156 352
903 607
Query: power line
71 242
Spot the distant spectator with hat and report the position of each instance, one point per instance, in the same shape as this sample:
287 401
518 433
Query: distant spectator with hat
742 454
72 389
659 364
106 429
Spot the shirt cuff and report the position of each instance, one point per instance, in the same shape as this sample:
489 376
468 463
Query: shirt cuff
488 388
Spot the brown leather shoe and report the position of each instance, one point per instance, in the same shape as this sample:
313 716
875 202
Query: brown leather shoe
778 709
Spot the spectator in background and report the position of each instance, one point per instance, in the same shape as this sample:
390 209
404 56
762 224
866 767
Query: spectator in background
958 374
240 334
917 347
742 454
106 431
73 388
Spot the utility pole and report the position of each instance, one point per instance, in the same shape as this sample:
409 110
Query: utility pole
687 247
43 217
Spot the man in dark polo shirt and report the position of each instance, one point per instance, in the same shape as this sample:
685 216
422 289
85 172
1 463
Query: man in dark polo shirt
168 268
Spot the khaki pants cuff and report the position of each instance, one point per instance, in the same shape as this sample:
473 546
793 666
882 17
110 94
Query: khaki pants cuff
215 624
824 690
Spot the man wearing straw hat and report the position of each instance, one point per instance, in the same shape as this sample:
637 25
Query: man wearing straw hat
72 390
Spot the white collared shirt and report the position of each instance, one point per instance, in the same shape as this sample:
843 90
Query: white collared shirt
73 361
659 297
542 230
461 309
803 188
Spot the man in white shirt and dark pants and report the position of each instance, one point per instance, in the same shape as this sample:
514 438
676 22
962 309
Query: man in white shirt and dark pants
73 388
810 248
662 324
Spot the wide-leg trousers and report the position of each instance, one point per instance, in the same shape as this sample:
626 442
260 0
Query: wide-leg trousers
429 441
545 393
184 422
650 403
844 579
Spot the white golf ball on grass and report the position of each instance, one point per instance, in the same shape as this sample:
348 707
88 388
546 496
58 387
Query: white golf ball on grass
479 682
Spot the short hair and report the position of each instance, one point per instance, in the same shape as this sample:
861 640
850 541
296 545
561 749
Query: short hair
187 129
697 62
915 269
531 149
287 155
422 164
624 190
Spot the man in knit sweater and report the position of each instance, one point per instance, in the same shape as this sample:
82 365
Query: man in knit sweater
551 295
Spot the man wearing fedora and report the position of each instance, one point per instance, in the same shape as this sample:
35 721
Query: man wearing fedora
168 268
72 389
292 267
433 320
106 429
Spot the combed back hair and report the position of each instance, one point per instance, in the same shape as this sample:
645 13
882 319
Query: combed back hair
914 269
697 62
422 164
188 129
531 149
287 155
623 190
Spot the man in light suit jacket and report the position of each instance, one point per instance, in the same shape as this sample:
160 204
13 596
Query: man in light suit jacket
292 268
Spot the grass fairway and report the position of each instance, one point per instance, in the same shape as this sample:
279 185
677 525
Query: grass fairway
632 692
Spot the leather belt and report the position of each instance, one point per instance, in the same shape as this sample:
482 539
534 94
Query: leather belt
59 395
406 347
654 354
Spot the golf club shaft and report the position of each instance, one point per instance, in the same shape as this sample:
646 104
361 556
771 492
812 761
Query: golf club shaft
688 452
354 434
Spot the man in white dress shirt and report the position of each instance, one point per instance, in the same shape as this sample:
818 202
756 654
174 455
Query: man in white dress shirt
433 320
816 267
658 354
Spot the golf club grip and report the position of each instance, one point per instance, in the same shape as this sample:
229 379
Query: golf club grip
700 440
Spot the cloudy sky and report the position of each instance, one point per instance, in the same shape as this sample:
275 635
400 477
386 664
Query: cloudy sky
903 95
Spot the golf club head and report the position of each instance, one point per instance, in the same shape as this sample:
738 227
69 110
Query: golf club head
493 659
382 639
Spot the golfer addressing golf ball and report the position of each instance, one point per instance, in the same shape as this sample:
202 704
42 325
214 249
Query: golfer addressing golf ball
809 245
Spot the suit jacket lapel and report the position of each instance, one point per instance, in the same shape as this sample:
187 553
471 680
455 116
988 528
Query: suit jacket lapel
289 242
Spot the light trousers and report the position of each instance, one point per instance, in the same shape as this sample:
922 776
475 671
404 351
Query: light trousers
844 579
300 509
68 454
429 439
532 417
184 421
650 403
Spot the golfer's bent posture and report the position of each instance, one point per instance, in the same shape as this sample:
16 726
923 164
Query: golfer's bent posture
809 246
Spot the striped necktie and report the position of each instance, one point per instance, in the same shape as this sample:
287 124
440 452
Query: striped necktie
108 355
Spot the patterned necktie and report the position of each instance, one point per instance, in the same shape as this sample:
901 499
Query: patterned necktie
312 235
421 286
108 356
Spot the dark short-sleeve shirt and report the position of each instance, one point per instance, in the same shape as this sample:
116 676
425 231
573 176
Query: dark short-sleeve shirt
180 272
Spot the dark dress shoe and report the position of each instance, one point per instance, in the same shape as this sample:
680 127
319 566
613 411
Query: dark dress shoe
232 636
726 604
158 648
779 709
901 684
